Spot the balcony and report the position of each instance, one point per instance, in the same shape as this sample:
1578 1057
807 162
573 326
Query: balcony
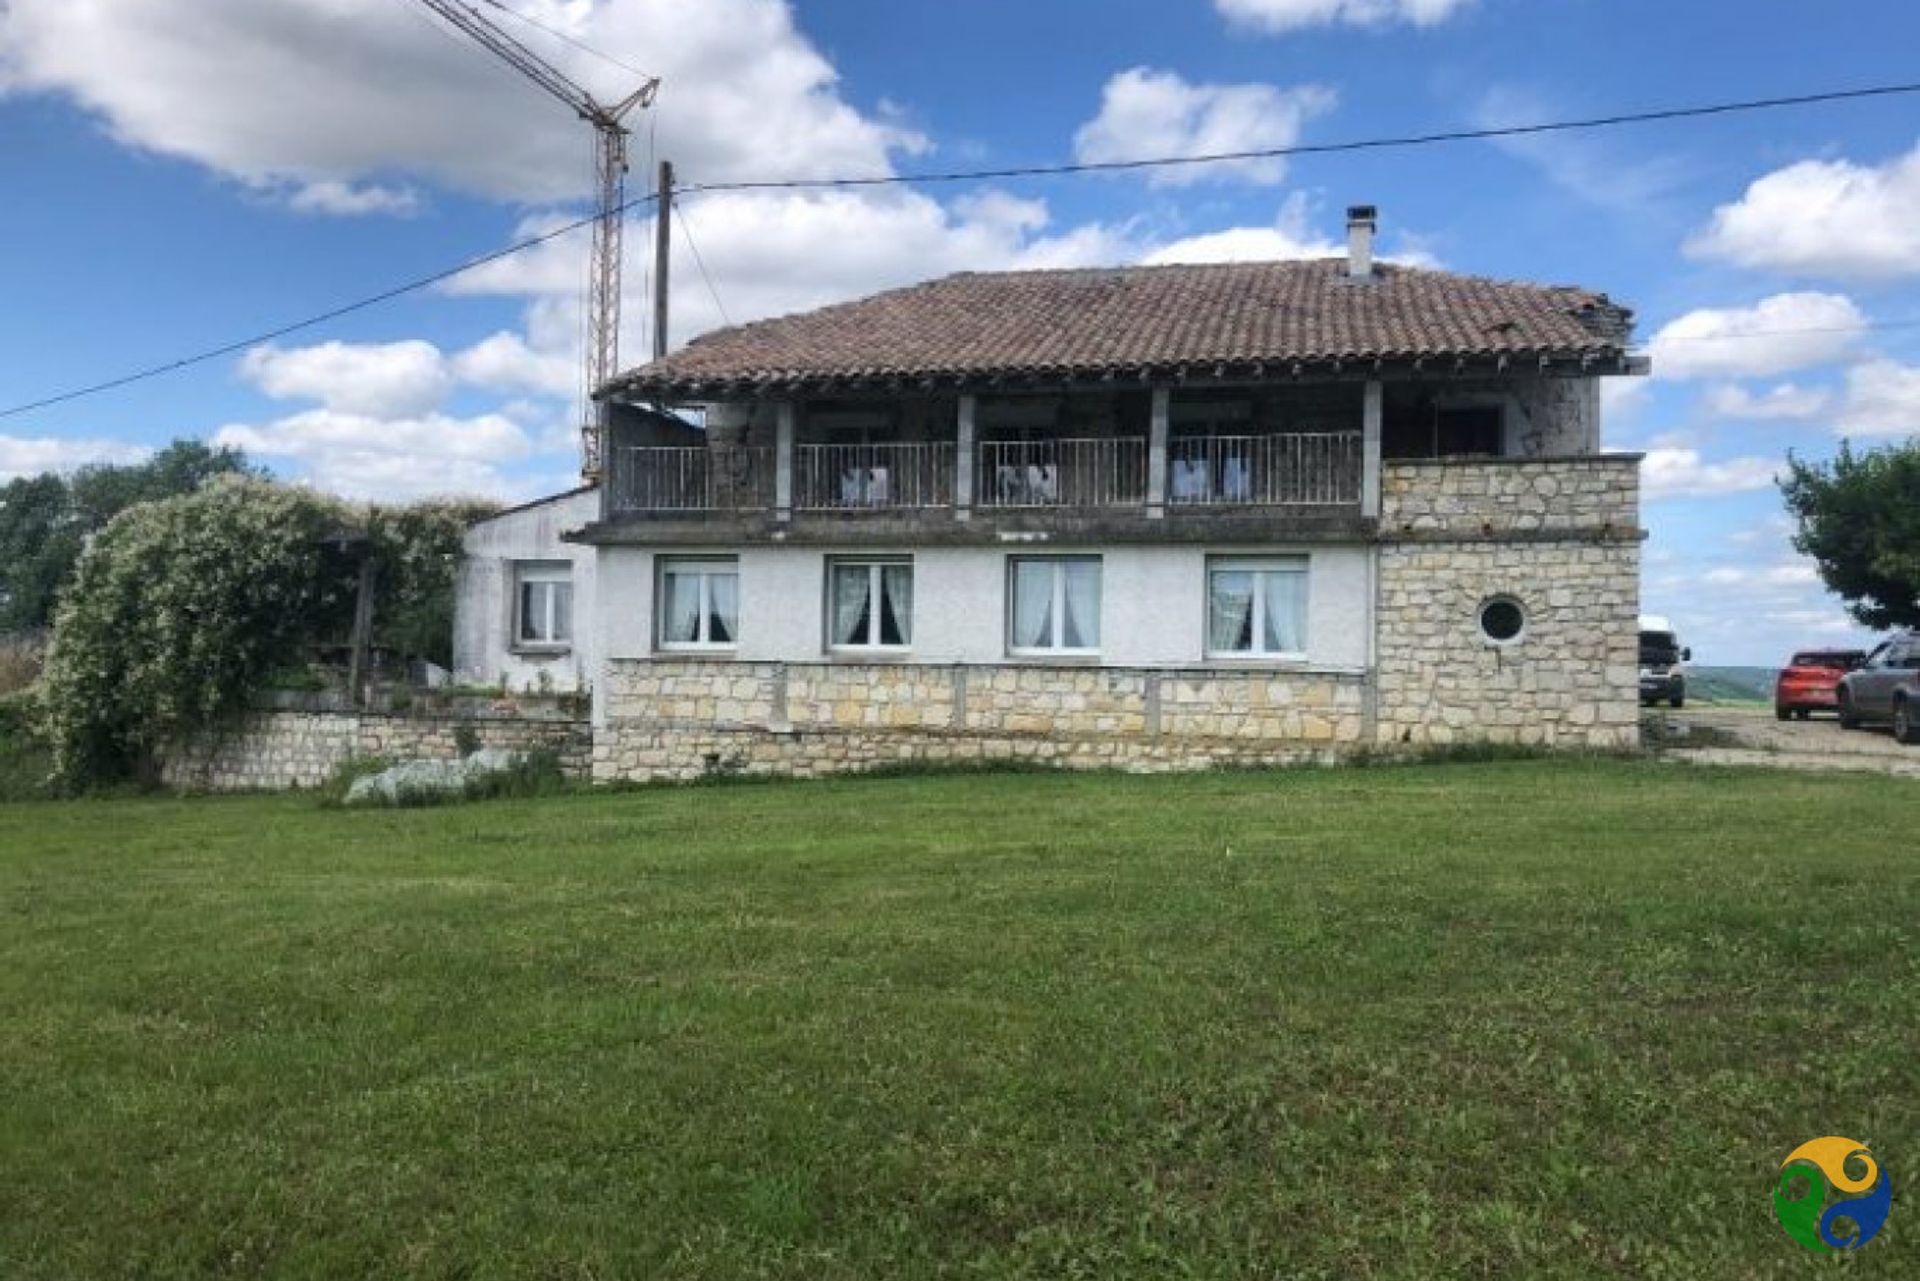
899 476
693 479
1314 474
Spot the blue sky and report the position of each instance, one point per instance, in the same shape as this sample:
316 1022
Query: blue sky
180 174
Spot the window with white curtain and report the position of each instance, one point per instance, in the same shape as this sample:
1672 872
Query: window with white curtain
699 605
543 605
1257 606
870 604
1053 604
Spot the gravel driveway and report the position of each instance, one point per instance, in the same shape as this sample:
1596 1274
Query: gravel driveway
1751 736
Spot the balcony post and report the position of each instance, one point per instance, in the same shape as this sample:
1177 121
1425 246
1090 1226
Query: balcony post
963 460
783 462
1157 454
1370 414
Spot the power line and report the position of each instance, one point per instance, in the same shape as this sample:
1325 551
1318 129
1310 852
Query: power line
294 327
686 229
1025 171
1327 148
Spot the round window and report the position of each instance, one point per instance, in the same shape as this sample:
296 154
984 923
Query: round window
1502 621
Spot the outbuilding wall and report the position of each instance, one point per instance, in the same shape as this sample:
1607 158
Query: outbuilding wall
484 652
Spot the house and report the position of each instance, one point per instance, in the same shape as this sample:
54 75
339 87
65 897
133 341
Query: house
1152 517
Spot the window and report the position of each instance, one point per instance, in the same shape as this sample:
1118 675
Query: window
699 604
543 605
1502 620
1054 605
1257 606
869 604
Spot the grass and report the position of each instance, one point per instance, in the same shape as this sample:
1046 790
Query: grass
1521 1018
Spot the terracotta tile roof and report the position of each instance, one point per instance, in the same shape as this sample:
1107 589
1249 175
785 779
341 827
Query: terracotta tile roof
1142 321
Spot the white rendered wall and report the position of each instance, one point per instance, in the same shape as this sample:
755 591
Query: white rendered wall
1153 604
483 649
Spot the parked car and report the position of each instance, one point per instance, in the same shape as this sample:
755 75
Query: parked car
1661 676
1810 682
1886 688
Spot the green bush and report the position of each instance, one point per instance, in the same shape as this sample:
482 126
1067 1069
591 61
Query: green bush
26 765
179 612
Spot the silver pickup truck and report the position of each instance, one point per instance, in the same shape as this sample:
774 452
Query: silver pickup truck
1886 688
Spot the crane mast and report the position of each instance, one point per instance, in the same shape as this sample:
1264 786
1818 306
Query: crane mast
610 182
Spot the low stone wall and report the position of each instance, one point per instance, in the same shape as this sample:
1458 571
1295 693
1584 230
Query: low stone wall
1558 537
274 750
672 719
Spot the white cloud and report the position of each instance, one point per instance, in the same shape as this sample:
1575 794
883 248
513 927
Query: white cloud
1883 399
393 458
1291 236
317 97
1148 113
1278 16
506 362
773 253
31 455
394 380
346 198
1682 473
1823 218
1594 168
1779 334
1787 401
1791 574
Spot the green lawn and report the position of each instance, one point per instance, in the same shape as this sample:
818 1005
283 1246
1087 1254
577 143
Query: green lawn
1519 1019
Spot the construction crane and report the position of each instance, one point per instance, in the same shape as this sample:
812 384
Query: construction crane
610 184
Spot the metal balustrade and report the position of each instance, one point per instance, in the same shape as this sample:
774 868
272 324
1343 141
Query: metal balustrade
1284 469
696 478
867 477
1287 469
1103 471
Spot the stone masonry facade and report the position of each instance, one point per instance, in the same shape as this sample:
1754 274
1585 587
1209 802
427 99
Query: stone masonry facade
1561 539
275 750
687 719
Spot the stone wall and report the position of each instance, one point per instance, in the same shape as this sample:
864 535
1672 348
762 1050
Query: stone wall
1598 495
1559 537
673 719
281 749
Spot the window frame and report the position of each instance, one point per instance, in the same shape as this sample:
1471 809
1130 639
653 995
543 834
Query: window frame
1257 565
707 567
549 572
876 567
1057 612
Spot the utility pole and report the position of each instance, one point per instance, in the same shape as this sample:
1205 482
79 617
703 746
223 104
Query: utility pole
662 244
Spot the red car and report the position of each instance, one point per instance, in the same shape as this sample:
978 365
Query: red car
1811 682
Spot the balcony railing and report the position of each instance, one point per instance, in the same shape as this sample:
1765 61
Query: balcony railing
1104 471
697 478
1290 470
1295 469
893 476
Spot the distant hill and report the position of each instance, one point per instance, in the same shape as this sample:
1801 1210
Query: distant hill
1731 684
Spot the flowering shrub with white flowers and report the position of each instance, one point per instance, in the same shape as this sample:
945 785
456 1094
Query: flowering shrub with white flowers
178 611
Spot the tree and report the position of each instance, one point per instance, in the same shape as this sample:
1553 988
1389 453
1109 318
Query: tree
46 520
416 552
1859 518
179 611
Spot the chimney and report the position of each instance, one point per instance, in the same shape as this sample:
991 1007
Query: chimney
1361 221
